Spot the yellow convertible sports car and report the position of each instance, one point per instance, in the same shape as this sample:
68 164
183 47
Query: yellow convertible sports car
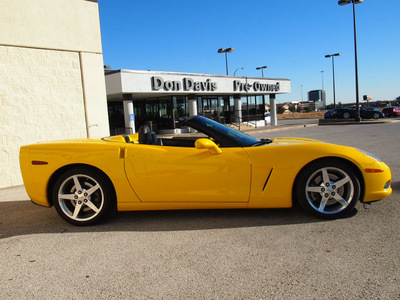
216 168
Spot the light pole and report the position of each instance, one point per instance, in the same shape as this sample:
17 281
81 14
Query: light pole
262 74
226 50
234 73
322 75
262 70
333 74
354 2
301 93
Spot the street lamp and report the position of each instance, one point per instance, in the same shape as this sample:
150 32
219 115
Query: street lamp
333 74
262 74
301 93
322 75
354 2
262 69
226 50
234 73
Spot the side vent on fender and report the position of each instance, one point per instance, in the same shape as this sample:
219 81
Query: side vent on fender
269 175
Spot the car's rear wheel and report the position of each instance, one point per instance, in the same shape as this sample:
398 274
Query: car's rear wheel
83 197
328 189
346 115
375 116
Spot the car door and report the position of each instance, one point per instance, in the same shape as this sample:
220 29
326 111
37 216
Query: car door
186 174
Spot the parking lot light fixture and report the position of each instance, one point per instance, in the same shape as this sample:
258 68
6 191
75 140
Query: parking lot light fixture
234 73
344 2
354 2
333 74
262 70
226 50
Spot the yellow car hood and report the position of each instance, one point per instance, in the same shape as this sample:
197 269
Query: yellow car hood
293 140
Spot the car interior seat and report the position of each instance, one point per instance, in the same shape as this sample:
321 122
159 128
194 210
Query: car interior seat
146 136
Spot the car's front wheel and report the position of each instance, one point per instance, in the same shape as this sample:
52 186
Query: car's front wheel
328 189
375 116
346 115
83 197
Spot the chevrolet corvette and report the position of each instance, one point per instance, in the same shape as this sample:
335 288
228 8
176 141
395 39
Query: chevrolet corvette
351 113
216 167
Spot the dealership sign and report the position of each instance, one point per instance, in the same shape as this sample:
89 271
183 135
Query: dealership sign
208 85
256 86
187 84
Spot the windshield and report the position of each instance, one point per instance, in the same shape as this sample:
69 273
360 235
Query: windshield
226 136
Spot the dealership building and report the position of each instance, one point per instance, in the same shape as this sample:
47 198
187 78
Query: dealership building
159 99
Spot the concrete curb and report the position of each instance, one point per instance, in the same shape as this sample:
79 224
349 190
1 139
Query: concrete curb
276 128
14 193
353 122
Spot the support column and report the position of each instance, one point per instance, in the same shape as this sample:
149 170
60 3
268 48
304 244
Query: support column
272 104
129 115
192 103
238 108
174 109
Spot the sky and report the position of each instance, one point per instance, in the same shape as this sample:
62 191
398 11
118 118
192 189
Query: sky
292 37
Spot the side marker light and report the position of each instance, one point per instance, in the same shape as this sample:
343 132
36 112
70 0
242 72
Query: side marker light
374 170
39 163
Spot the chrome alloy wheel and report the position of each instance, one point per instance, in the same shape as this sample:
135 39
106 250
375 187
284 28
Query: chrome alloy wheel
80 197
329 190
346 115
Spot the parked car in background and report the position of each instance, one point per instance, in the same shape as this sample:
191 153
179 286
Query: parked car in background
391 111
330 114
351 113
371 113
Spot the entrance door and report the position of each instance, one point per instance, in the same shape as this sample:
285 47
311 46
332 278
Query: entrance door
184 174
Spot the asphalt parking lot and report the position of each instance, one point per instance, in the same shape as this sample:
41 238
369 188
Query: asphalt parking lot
218 254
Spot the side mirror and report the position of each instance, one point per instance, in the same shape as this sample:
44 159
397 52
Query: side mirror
209 145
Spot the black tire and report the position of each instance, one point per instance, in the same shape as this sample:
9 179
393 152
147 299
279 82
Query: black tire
332 197
375 116
83 197
346 115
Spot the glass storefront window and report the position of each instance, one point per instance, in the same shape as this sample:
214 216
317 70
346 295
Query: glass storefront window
116 117
165 120
181 107
252 108
199 106
163 112
260 106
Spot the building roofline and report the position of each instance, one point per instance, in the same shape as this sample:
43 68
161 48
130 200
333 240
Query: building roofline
109 72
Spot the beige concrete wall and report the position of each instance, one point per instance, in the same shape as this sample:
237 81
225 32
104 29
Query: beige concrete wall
51 76
41 99
94 91
52 24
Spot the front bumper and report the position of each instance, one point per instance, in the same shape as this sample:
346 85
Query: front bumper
378 185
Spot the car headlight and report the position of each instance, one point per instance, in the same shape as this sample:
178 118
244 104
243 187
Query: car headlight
369 154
